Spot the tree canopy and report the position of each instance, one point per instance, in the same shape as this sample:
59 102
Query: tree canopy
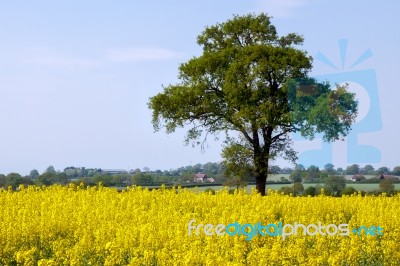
252 81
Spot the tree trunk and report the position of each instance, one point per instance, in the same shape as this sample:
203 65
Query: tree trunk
261 171
261 163
261 182
261 157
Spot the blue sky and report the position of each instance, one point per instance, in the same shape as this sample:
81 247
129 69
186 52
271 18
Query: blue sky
76 76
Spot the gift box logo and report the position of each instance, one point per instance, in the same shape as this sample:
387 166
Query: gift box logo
364 84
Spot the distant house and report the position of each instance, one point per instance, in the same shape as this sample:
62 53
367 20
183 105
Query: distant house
200 178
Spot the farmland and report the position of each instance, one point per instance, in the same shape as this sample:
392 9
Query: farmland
356 186
77 225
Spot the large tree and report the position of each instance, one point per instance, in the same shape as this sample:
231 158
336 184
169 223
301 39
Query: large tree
251 81
353 169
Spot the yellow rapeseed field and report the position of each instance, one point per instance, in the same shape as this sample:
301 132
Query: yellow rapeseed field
76 225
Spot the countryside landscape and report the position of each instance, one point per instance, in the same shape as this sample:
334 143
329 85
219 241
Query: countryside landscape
199 133
298 181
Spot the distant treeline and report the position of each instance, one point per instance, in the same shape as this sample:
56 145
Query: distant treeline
185 175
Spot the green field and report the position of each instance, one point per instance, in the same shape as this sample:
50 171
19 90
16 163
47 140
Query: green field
357 186
277 177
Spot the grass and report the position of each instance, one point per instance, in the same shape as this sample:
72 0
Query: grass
356 186
277 177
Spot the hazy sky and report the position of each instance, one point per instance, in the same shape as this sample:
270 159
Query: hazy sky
76 76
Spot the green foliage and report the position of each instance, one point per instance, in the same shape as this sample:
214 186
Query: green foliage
13 180
50 169
106 180
3 180
62 178
368 170
209 191
298 188
313 174
238 162
348 191
316 108
34 174
76 172
49 177
387 186
122 179
250 80
310 191
286 190
142 179
298 175
318 190
396 171
383 170
340 171
334 185
353 169
329 168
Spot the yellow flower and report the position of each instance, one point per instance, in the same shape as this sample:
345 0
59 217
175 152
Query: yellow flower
77 225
